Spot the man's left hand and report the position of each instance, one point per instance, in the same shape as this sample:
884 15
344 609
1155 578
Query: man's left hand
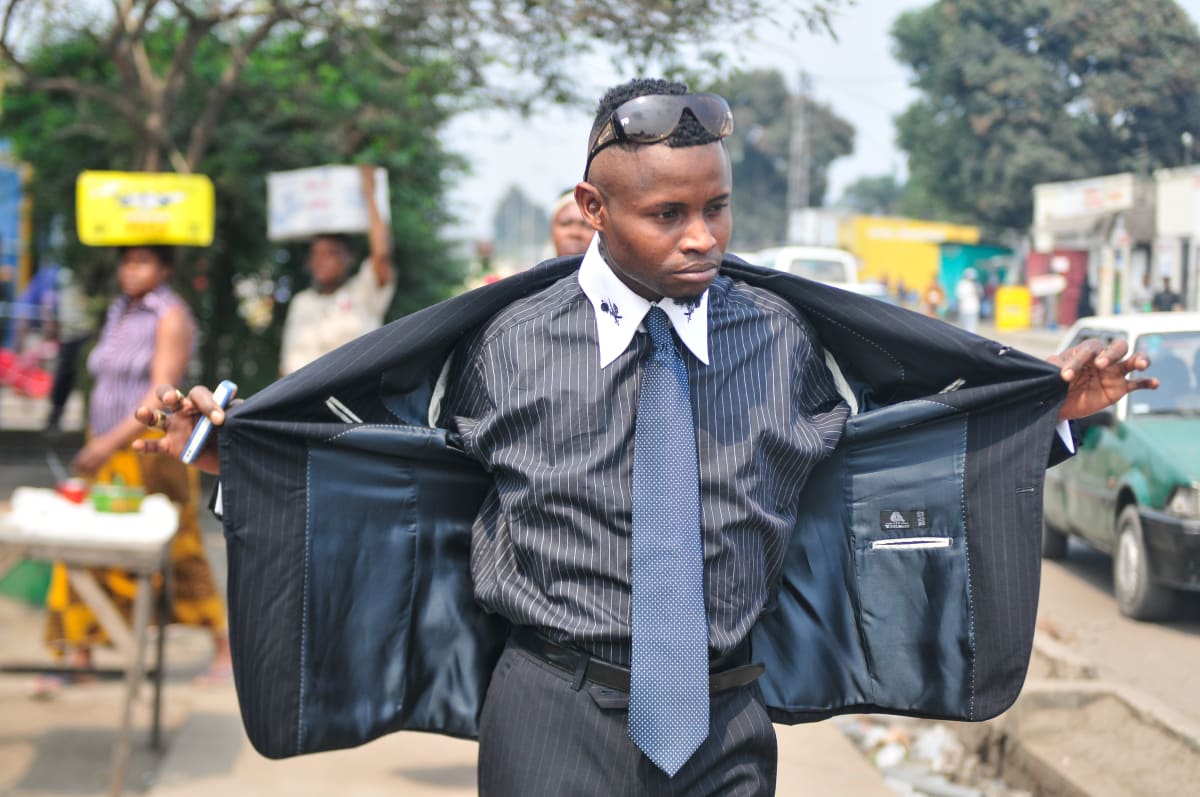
1099 376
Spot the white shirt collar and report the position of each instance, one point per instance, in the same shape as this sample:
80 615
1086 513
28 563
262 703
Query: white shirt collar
619 311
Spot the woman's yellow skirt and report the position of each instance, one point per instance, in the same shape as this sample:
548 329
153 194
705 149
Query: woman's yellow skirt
194 599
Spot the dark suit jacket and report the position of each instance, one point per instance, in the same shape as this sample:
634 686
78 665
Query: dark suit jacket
350 598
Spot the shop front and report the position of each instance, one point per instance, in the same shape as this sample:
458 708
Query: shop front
1110 220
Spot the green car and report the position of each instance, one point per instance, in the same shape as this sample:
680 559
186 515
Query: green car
1133 488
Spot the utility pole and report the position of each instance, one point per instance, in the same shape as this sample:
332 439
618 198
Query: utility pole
798 165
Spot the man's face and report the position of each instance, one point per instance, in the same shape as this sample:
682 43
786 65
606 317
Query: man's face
328 261
663 214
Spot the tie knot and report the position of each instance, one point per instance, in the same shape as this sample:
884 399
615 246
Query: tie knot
659 327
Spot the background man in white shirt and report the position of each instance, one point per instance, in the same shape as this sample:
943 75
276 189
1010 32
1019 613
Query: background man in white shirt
339 307
967 294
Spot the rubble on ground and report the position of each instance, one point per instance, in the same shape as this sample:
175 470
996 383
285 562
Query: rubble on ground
924 758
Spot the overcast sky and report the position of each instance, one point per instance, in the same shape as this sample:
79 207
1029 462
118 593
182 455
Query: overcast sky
855 74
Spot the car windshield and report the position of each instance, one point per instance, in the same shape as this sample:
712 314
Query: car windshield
1175 360
819 270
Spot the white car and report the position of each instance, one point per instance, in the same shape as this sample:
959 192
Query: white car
826 264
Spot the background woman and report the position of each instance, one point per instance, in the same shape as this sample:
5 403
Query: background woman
569 233
148 339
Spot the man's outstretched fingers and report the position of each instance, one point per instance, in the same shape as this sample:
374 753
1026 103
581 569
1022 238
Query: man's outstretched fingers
1138 362
145 416
1114 352
169 396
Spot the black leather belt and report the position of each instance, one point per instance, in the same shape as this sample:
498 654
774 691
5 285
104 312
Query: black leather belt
614 676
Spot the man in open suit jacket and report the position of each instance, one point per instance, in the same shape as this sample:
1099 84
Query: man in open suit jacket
327 645
909 584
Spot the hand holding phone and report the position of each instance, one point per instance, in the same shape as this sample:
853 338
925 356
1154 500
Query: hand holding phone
222 395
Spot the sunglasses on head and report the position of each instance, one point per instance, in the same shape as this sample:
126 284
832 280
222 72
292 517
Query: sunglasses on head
650 119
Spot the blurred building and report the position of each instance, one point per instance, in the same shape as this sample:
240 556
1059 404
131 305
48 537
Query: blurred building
1092 243
895 249
1177 199
892 250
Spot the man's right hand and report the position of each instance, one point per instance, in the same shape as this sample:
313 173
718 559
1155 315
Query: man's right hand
177 420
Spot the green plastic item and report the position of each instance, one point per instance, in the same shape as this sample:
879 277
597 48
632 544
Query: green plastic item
27 582
116 498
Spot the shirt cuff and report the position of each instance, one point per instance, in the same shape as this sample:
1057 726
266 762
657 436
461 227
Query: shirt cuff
1064 434
216 504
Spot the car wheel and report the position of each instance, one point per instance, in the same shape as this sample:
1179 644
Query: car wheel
1137 596
1054 542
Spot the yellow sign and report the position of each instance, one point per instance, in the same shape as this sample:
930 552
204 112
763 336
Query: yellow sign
1013 307
131 208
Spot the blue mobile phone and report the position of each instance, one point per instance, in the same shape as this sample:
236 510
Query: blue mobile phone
223 395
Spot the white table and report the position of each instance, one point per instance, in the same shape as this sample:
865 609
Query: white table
42 525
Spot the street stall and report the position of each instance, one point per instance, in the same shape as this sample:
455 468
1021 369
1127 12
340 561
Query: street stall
114 546
48 526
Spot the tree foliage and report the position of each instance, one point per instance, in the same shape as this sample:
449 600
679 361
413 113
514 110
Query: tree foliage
876 194
538 39
237 88
299 102
764 110
1034 91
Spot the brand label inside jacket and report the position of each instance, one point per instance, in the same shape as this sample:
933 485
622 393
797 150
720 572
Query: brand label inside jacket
897 520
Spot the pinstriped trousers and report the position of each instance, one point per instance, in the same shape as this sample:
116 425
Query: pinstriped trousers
540 736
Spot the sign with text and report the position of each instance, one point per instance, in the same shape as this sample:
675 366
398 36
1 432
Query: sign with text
1046 285
132 208
326 199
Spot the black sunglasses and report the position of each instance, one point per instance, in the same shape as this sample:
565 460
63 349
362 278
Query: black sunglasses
650 119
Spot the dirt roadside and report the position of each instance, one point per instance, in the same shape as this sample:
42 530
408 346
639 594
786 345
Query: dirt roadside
1070 734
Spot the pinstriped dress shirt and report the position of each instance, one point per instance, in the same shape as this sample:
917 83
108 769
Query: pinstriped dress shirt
546 397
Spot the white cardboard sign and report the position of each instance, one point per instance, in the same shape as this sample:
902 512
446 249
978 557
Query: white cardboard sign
325 199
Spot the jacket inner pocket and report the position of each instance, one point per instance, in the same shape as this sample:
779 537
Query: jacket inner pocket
911 543
909 540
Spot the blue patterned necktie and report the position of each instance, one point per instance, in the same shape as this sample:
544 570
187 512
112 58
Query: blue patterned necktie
668 691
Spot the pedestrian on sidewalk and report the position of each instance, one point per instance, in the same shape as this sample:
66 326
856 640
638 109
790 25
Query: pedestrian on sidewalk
1166 299
933 298
645 421
570 233
147 339
73 329
966 294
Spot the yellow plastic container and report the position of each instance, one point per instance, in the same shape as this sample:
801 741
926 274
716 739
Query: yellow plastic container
1013 307
134 208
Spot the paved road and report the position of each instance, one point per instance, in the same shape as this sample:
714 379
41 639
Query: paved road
1159 659
47 756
